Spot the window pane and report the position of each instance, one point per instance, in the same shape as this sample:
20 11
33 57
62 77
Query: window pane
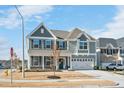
35 60
61 44
83 45
36 43
48 43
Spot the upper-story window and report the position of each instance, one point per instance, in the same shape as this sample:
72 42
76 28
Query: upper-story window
47 43
121 51
109 52
42 30
103 51
115 51
35 43
82 45
61 45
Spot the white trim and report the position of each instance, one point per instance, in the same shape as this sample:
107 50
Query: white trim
71 63
64 63
40 37
84 54
84 34
29 62
43 62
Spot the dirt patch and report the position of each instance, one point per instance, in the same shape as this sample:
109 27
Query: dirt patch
82 83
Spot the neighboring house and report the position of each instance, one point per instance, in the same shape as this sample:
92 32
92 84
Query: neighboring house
78 49
5 63
109 51
120 43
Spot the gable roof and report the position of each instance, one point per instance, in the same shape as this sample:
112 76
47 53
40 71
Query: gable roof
77 33
74 33
104 42
37 28
120 42
60 34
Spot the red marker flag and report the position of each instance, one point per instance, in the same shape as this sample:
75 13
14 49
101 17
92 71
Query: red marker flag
11 52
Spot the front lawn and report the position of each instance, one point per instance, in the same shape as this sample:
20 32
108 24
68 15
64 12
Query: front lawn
44 75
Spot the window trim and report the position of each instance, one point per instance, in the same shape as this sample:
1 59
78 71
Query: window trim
46 44
35 42
33 58
61 43
83 45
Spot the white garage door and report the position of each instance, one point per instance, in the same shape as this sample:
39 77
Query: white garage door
78 64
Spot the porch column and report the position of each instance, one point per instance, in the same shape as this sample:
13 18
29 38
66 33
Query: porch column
43 62
68 62
71 63
29 62
56 65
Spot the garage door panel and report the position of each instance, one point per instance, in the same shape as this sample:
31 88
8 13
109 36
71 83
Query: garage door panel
82 65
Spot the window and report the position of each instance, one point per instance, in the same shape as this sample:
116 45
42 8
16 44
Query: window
48 61
109 51
47 43
83 45
121 51
74 59
61 44
35 61
85 59
35 43
77 59
42 30
115 51
103 51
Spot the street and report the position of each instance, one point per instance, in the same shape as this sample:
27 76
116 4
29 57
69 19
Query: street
119 79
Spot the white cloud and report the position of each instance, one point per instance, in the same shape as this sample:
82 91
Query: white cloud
11 20
115 28
3 41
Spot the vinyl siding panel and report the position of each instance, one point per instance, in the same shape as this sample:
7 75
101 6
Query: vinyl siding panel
92 47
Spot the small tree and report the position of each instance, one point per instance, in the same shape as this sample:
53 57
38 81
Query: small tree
55 58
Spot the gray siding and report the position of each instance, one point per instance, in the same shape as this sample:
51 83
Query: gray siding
72 46
39 34
92 47
83 37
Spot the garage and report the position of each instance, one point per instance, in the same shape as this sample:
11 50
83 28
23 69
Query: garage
82 63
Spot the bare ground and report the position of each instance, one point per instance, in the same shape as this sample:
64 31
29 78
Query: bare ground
44 75
82 83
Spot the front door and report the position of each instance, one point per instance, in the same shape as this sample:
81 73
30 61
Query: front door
61 62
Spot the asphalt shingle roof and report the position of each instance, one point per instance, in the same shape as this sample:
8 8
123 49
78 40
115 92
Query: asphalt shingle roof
60 33
120 42
103 42
73 34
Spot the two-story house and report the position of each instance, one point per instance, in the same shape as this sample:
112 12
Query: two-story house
109 51
120 43
78 49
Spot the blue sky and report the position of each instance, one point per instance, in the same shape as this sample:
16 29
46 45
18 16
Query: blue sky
98 21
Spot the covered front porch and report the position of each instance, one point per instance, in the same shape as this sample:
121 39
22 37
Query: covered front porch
46 62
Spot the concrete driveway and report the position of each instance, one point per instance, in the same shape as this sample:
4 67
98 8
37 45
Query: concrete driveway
106 75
